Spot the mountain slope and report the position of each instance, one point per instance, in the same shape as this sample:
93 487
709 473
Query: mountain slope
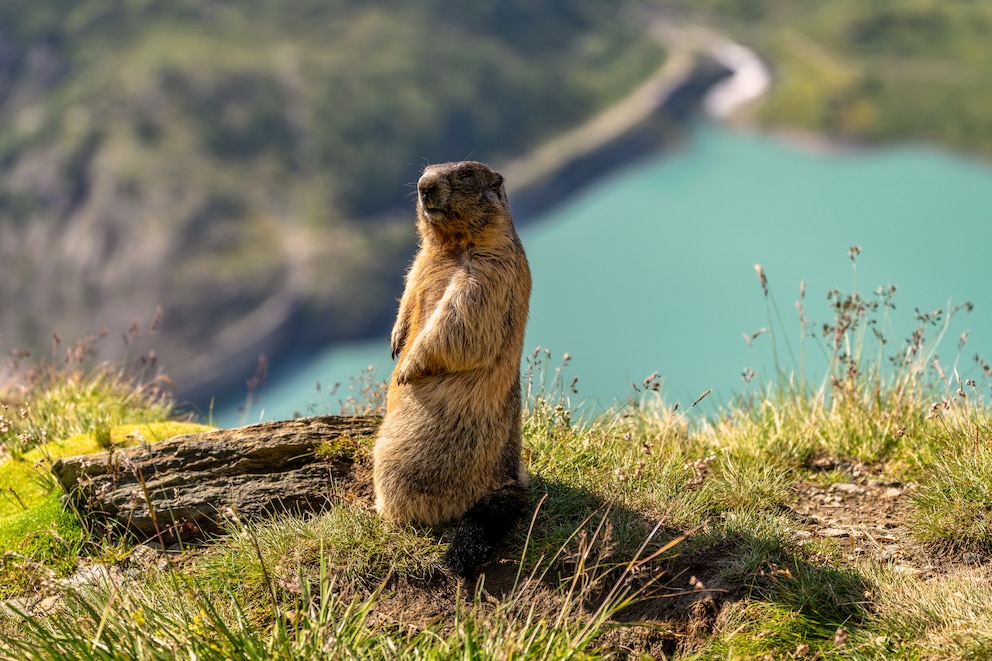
245 165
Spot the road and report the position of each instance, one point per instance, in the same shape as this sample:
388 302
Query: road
684 44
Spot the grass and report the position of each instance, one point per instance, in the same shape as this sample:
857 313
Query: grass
868 72
656 531
953 504
69 406
180 619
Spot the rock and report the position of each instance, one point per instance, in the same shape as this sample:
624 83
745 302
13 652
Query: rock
93 576
972 558
183 488
907 570
847 487
823 464
834 532
879 483
150 556
889 552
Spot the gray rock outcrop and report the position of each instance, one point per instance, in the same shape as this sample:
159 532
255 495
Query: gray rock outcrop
184 488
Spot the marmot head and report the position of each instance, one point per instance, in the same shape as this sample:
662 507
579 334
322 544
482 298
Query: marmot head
460 199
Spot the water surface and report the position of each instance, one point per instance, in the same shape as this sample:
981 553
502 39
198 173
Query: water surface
652 270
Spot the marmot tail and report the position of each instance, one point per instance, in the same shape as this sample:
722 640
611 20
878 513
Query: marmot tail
480 532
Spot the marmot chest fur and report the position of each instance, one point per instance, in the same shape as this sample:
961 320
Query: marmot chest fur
449 448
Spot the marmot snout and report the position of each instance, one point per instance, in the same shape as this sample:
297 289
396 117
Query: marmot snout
433 192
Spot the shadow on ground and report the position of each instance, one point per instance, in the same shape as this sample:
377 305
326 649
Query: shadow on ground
684 582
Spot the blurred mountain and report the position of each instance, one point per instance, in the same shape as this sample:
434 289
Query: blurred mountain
246 165
869 72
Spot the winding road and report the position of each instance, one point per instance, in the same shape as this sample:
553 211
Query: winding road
749 79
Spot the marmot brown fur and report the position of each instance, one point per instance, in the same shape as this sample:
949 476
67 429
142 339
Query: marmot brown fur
449 445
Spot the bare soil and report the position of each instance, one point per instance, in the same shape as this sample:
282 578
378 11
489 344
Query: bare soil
867 514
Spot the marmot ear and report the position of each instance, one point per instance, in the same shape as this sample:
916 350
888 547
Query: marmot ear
497 182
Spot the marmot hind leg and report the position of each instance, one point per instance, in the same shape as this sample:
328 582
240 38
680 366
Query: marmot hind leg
479 533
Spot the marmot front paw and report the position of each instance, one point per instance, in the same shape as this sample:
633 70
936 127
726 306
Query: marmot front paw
396 342
405 375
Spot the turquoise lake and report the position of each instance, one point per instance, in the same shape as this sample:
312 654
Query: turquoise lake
652 269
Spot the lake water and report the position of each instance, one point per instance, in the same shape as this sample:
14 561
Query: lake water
652 270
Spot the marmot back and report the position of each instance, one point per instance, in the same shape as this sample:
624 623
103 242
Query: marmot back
449 448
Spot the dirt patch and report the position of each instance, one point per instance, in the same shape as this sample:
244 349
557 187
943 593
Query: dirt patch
680 611
870 517
679 599
867 516
356 484
676 613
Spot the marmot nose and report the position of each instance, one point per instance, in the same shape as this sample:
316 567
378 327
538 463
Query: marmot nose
429 193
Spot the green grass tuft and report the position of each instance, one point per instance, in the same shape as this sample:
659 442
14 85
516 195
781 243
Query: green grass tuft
953 502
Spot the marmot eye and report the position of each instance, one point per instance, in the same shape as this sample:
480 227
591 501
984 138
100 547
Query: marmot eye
466 174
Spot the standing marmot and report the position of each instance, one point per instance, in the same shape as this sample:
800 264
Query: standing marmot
449 445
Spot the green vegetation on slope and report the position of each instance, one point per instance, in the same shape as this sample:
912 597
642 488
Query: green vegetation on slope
884 70
72 406
212 157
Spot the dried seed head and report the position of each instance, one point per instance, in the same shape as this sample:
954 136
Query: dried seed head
702 397
761 278
936 365
156 320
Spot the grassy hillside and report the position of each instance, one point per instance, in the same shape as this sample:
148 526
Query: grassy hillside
850 521
214 157
885 70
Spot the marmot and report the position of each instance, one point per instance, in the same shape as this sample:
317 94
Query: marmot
449 447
